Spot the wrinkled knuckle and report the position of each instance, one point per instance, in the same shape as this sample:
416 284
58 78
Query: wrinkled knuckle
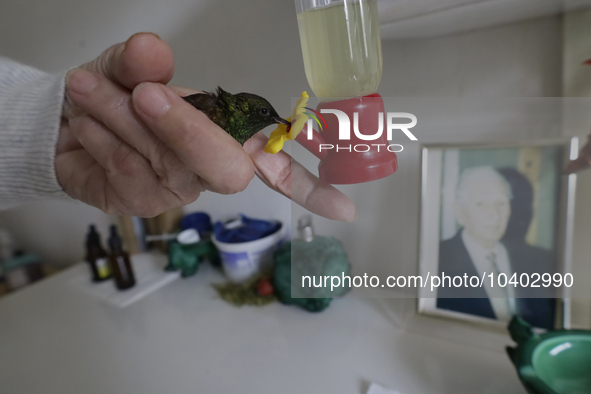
169 168
104 63
283 183
83 121
157 157
121 103
125 162
82 125
169 161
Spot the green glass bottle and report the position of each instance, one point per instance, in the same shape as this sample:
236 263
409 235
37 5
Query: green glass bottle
310 257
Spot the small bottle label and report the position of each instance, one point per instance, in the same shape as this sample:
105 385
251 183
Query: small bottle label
102 268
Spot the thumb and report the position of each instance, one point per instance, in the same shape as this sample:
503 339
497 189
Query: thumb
144 57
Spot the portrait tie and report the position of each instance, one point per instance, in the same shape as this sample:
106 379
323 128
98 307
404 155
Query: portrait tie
499 297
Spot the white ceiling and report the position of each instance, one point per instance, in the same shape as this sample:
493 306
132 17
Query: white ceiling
427 18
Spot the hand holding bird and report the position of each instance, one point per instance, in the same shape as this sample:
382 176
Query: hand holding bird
129 144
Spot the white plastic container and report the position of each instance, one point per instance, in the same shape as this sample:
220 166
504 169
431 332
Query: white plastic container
243 260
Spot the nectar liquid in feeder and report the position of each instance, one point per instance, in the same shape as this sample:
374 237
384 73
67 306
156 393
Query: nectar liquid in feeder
341 46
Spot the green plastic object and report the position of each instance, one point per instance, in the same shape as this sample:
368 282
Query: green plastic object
323 256
187 258
556 362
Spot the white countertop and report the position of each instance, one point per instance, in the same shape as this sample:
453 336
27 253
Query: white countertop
55 338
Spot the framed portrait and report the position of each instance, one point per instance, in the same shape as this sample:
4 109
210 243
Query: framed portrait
495 223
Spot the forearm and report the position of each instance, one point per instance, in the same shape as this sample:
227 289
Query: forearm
30 114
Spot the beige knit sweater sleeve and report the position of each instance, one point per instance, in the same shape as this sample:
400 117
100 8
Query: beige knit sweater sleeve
30 114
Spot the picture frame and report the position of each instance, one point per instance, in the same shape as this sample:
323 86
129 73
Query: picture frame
542 231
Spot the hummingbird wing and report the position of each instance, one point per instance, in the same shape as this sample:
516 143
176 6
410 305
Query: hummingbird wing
202 101
211 104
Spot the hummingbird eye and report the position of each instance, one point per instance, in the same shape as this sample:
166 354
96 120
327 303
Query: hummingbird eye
265 111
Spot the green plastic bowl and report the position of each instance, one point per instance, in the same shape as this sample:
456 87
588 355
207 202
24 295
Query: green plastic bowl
556 362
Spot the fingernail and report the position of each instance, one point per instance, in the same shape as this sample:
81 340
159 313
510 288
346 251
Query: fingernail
354 218
151 99
138 34
81 81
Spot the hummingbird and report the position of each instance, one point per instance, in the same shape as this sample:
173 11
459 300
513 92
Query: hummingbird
241 115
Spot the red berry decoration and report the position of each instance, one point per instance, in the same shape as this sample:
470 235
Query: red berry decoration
265 288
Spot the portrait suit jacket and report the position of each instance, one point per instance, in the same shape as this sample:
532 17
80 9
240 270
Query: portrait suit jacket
454 260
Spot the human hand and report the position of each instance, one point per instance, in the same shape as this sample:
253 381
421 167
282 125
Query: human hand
130 145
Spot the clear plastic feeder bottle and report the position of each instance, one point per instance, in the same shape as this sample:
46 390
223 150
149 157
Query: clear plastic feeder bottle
341 46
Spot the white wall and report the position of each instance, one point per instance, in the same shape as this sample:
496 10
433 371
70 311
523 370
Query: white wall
517 60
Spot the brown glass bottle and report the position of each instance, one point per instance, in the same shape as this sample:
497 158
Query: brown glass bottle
96 257
119 263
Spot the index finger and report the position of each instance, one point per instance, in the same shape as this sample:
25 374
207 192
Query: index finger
290 178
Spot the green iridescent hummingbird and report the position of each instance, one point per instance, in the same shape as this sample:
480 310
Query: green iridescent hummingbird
242 115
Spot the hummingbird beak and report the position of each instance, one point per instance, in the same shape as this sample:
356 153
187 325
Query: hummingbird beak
281 120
